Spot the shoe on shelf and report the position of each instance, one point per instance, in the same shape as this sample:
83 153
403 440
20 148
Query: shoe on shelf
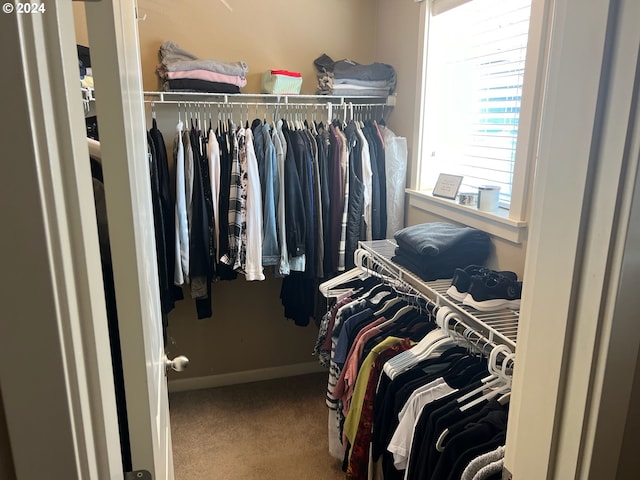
462 278
495 291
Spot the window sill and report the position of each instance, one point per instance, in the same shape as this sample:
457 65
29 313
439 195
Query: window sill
497 224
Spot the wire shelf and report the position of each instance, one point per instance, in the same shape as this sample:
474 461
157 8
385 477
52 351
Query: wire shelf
268 98
498 328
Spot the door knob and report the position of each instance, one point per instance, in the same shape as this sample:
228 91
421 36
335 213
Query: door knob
178 364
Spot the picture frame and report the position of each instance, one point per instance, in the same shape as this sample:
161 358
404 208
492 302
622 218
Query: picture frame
447 186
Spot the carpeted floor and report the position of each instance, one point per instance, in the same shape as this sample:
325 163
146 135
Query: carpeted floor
273 430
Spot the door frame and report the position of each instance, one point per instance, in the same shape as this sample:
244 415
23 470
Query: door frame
55 374
115 50
578 338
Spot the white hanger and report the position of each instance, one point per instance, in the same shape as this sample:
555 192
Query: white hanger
387 306
301 119
405 360
424 348
399 313
494 377
498 382
434 339
359 256
494 392
326 287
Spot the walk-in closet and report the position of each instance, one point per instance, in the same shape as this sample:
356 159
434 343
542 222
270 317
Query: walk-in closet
361 239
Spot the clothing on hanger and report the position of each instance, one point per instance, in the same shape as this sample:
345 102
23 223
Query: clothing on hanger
306 179
393 425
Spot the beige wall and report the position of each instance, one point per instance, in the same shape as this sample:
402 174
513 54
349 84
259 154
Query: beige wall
397 44
266 35
248 331
82 36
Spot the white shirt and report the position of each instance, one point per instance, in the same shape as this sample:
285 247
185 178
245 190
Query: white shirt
400 444
181 274
253 268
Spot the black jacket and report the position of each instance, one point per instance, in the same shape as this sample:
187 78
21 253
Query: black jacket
295 215
355 219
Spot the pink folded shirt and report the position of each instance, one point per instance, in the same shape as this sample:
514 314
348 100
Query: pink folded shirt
209 76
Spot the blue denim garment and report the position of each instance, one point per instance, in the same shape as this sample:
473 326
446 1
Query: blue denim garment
277 140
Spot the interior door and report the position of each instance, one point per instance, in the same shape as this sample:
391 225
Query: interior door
115 56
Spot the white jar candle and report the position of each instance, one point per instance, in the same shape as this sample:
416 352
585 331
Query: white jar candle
488 197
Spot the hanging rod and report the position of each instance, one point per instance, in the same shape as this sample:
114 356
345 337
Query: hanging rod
197 103
199 99
263 99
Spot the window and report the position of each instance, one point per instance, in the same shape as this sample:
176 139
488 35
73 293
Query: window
474 82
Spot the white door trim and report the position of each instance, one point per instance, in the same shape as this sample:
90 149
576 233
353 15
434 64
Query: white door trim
115 61
578 324
55 373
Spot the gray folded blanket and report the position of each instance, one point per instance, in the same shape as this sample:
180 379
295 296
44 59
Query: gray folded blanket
375 74
353 70
176 59
363 83
345 91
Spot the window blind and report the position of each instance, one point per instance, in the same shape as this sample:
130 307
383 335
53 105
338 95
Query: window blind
475 74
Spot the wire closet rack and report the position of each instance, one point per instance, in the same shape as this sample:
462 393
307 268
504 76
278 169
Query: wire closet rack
347 107
497 328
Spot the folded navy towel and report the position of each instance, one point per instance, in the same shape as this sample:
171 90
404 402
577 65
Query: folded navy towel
432 239
442 266
425 274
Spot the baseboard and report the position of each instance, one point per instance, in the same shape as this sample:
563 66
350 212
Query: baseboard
246 376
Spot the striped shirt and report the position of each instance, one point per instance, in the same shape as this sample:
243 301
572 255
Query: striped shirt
344 163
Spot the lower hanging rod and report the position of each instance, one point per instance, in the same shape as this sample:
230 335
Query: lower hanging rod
266 97
199 103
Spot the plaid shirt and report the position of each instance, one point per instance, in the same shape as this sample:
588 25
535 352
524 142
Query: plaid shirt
241 257
236 204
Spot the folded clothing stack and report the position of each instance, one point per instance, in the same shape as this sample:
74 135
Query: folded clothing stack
182 71
434 250
349 78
